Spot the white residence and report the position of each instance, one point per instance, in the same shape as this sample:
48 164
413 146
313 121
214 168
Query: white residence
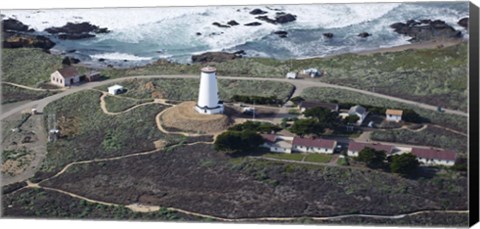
65 77
434 156
291 75
313 145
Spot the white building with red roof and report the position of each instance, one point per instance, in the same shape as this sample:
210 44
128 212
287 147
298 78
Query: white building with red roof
284 144
435 156
313 145
355 147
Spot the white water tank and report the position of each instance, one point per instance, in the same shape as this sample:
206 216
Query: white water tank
208 98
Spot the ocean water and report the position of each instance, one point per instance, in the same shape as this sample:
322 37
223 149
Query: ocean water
143 35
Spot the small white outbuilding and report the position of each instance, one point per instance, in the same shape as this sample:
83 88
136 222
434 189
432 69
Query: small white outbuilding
291 75
115 89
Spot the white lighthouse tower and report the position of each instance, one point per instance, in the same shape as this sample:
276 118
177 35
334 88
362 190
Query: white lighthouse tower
208 101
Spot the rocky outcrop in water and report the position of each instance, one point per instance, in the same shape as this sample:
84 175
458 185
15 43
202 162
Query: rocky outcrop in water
257 12
216 56
253 24
233 23
463 22
281 18
281 34
15 25
17 40
75 31
364 34
425 30
220 25
328 35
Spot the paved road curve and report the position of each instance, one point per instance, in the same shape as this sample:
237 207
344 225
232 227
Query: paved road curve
300 85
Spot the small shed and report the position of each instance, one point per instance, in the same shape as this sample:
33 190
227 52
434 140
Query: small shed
115 89
92 76
291 75
394 115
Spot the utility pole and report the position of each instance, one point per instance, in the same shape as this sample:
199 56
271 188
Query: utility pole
254 111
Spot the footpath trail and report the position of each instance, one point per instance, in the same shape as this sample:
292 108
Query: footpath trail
33 88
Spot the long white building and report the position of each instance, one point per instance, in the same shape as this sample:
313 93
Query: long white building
208 98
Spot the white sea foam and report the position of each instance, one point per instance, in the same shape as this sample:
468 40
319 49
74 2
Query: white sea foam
119 56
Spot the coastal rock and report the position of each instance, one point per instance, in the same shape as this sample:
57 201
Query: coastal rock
220 25
257 12
281 34
70 60
463 22
364 34
13 40
328 35
216 57
233 23
198 33
253 24
76 31
15 26
266 19
285 18
425 30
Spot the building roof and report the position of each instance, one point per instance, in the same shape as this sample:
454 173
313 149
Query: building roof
394 112
358 146
269 137
68 72
312 104
209 69
357 109
115 87
314 142
434 154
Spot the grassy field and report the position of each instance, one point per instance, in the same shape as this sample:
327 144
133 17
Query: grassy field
285 156
343 96
12 94
28 67
432 136
87 133
187 89
119 104
318 157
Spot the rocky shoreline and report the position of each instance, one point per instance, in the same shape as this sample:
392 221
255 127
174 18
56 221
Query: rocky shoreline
18 35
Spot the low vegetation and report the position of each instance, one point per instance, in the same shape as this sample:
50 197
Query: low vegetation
455 122
285 156
187 89
86 132
431 136
34 203
238 142
29 67
118 104
318 157
12 94
262 127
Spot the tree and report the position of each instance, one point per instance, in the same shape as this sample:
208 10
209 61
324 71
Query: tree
404 164
461 164
410 115
297 100
262 127
323 115
351 119
372 158
307 126
234 142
